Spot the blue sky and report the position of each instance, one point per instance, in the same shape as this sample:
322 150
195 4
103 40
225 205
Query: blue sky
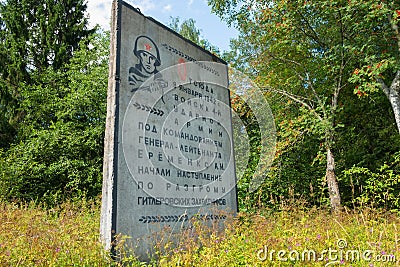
212 28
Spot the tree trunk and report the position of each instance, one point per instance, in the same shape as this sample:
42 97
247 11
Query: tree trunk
394 99
332 183
393 94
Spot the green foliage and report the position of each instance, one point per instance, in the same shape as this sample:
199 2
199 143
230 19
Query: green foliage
7 132
34 36
285 59
61 138
368 141
376 43
298 168
308 55
189 30
247 140
42 33
380 188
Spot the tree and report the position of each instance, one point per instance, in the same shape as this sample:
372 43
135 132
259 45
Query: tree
377 45
51 89
189 30
34 35
305 51
61 154
44 33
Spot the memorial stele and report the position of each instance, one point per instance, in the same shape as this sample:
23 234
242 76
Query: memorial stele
168 144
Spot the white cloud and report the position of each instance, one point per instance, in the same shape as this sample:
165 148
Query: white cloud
167 8
190 3
100 10
99 13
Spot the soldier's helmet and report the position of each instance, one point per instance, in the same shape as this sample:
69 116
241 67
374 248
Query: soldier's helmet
145 44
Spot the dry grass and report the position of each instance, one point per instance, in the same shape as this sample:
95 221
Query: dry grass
62 236
365 238
68 235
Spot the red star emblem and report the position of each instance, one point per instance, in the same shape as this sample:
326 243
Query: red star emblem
147 47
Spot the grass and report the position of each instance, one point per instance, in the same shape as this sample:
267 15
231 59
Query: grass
255 240
31 235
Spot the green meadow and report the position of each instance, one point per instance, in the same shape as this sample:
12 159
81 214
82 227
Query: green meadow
68 235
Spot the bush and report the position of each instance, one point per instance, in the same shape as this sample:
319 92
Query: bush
59 147
376 189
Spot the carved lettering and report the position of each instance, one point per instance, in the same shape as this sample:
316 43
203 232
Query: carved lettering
198 175
148 201
147 127
149 185
154 171
155 142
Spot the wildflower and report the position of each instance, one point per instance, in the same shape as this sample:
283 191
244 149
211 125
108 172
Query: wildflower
58 250
318 236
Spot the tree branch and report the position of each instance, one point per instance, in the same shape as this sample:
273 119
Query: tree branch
306 80
342 64
297 99
314 35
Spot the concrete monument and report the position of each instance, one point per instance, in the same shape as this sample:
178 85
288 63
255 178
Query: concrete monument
168 144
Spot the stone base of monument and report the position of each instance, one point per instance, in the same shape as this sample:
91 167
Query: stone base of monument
172 238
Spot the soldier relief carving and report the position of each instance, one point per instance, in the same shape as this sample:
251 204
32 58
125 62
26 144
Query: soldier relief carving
148 59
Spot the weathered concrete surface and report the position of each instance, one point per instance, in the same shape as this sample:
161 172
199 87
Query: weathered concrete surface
168 144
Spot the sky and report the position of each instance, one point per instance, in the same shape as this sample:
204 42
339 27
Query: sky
212 28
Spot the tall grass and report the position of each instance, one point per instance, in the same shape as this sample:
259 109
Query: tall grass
68 235
290 237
